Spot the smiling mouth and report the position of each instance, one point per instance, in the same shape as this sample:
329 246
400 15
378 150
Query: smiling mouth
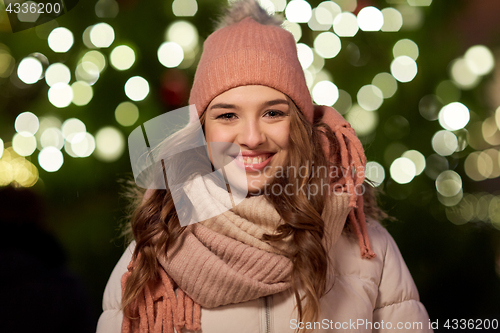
249 160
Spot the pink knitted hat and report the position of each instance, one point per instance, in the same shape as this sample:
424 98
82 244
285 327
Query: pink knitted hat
247 52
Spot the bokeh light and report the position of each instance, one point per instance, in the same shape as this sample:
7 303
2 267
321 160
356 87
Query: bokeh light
345 25
60 40
294 28
317 64
87 71
370 97
298 11
331 7
494 211
184 7
60 95
495 159
56 73
102 35
110 144
73 129
362 121
122 57
16 169
454 116
30 70
444 143
48 122
403 170
404 68
450 201
126 113
370 19
83 146
95 57
321 19
497 117
405 47
419 2
393 20
479 59
347 5
375 172
464 211
462 74
279 5
344 102
24 145
86 37
50 159
386 83
324 15
417 158
136 88
309 76
327 45
7 63
490 131
170 54
448 183
478 166
52 137
82 93
413 17
305 54
325 93
26 124
183 33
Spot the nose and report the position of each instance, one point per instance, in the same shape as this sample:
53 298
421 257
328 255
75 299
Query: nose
251 134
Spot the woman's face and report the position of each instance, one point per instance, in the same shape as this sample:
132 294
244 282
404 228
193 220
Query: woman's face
256 119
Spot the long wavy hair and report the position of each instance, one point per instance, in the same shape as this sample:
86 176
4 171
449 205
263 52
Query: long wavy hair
154 221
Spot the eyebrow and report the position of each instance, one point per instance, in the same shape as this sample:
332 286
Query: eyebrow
232 106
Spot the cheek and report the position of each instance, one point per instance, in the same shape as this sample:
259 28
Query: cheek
282 136
215 134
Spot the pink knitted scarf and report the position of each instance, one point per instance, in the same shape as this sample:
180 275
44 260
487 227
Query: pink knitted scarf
221 260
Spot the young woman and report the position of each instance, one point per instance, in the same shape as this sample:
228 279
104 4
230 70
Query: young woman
276 239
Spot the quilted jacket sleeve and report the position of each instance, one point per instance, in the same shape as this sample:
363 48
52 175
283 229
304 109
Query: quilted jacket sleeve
398 301
111 318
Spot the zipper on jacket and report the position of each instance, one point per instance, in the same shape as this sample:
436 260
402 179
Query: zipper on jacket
267 312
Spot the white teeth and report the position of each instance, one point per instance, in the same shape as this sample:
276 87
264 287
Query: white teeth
254 160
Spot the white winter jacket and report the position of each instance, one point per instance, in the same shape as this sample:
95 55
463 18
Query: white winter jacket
376 295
